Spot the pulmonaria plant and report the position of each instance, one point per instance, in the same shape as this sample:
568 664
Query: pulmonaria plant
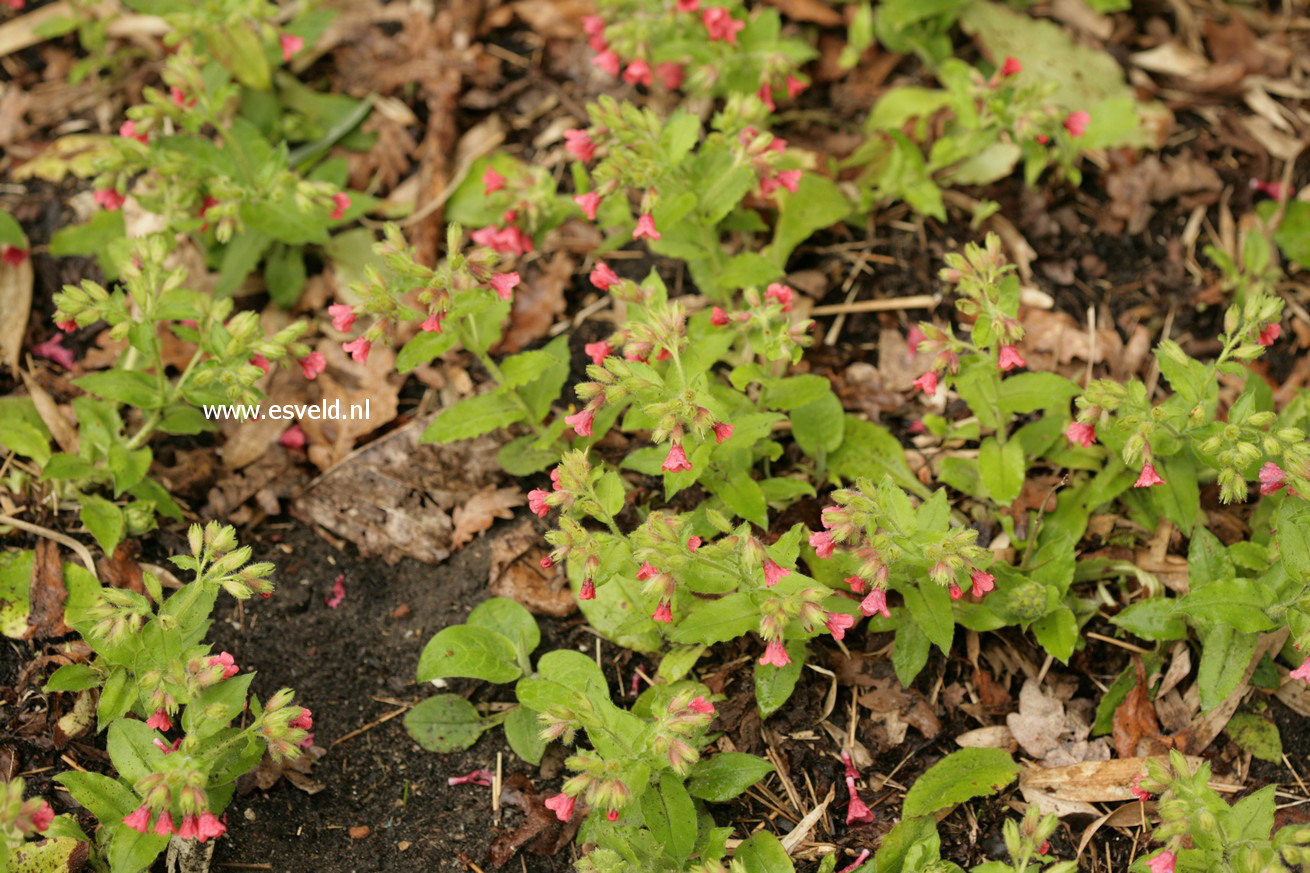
231 354
168 702
517 204
659 180
713 48
20 819
1200 831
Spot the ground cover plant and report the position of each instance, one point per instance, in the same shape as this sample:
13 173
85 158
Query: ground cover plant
727 437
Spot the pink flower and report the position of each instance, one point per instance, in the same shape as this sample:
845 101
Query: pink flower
312 364
1163 862
588 203
13 255
859 862
612 815
688 5
603 277
138 819
1270 334
607 61
1010 358
210 828
646 571
663 613
165 747
188 830
588 590
1076 123
305 721
676 460
795 86
291 45
358 349
432 324
561 805
838 623
856 583
1275 190
982 582
1080 434
598 351
261 362
343 316
43 816
334 599
790 179
53 350
822 543
1272 477
720 24
164 824
638 73
1138 791
783 294
160 721
927 383
722 431
701 706
773 572
913 337
128 131
856 810
581 421
646 228
1149 477
340 203
109 199
477 777
775 654
492 181
671 75
504 283
227 662
180 98
537 502
955 591
1302 672
66 326
718 317
876 601
1011 67
693 544
766 96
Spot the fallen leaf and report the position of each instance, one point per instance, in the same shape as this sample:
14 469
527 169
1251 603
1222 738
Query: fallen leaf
1049 732
1098 781
63 430
541 832
47 593
1134 718
814 11
516 573
554 19
16 304
294 770
481 511
538 302
898 709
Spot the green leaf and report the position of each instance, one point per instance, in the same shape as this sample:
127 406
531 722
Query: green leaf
717 621
72 677
510 619
817 203
470 653
743 495
425 346
869 450
611 492
1057 632
473 417
1252 817
521 457
726 775
930 605
958 777
15 583
1292 528
1029 392
11 232
763 853
747 269
678 662
107 799
1207 560
213 708
1002 469
94 236
131 746
523 731
525 367
1257 735
671 816
53 854
284 274
794 392
774 685
910 653
1225 654
129 387
25 439
445 723
819 426
239 48
1152 619
104 520
132 852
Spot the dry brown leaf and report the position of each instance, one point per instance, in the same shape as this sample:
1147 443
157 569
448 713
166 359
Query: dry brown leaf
554 19
898 709
814 11
48 594
481 511
1049 733
1097 781
537 303
1135 721
294 770
516 573
16 304
996 736
373 388
61 427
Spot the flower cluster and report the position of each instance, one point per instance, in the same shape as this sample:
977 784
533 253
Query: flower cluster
766 324
19 818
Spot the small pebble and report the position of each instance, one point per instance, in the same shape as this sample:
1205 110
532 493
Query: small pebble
359 832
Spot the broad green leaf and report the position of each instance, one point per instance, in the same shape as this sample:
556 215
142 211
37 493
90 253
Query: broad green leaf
930 605
425 346
213 708
1057 632
72 677
26 439
1225 654
958 777
1029 392
910 653
104 520
523 732
473 417
743 495
817 203
1207 560
869 450
1257 735
1152 619
1292 530
717 621
726 775
510 619
763 853
671 816
470 653
525 367
107 799
794 392
131 746
1002 468
54 854
819 427
132 852
130 387
15 582
445 723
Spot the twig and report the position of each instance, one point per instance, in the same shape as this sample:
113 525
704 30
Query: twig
914 301
368 727
1120 643
68 542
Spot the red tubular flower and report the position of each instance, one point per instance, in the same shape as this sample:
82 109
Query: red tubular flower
588 590
432 324
688 5
598 352
671 75
1138 791
291 45
164 824
537 502
645 228
774 573
795 86
663 613
1163 862
693 544
955 591
766 96
138 819
822 543
128 131
312 364
676 460
358 349
982 582
927 383
913 337
646 571
1270 334
189 829
607 61
109 199
578 143
227 662
838 623
1302 672
775 654
612 815
13 255
180 98
1010 358
701 706
504 283
209 827
492 181
1148 477
856 809
718 317
638 73
581 421
1011 67
593 25
160 721
336 597
53 350
603 277
720 25
859 862
477 777
340 203
261 362
588 203
1272 477
561 805
876 601
856 583
42 818
785 296
790 179
722 431
1076 123
1080 434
